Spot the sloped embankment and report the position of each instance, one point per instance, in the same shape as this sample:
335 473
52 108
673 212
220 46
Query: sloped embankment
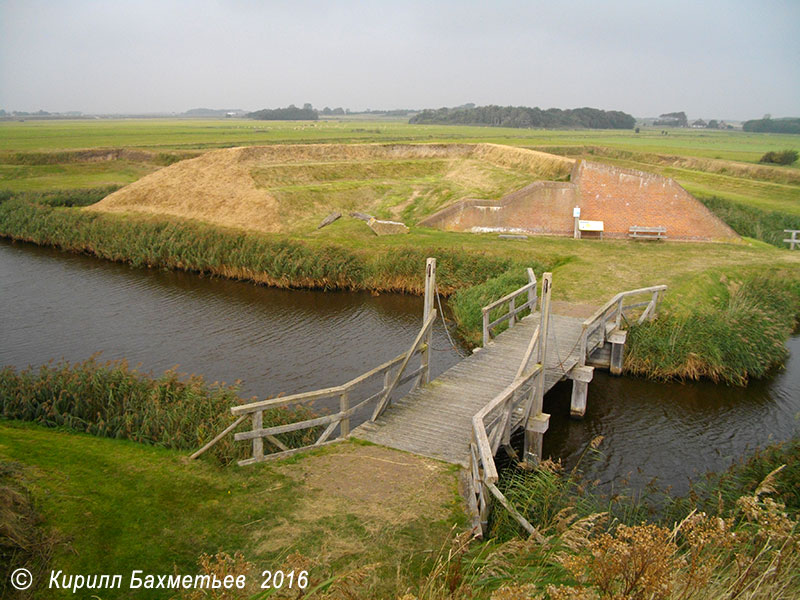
291 188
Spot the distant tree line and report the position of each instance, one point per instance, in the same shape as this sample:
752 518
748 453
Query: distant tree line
673 119
523 116
768 125
290 113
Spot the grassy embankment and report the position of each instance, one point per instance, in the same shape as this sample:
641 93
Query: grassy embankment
704 279
109 506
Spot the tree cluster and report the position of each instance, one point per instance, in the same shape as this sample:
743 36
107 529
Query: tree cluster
523 116
290 113
767 125
673 119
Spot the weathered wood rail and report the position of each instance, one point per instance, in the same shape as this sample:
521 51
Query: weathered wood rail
394 376
512 316
518 405
792 241
607 320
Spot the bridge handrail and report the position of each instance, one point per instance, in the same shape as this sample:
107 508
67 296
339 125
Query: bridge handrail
391 381
612 311
513 311
513 401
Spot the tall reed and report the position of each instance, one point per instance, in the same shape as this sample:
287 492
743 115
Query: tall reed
113 400
749 221
732 340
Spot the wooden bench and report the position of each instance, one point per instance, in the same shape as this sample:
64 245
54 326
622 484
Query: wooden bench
647 233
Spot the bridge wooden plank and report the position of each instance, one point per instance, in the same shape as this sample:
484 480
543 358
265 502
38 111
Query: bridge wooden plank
436 420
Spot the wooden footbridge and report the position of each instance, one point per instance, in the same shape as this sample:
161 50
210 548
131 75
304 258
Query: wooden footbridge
471 410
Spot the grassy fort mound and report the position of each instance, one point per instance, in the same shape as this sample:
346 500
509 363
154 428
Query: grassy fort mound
292 188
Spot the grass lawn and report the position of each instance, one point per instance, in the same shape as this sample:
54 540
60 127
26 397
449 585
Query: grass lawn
117 506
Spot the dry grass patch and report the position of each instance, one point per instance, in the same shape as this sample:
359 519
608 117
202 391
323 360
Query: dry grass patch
354 492
376 484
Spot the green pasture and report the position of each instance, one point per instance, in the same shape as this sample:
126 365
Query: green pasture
22 145
176 134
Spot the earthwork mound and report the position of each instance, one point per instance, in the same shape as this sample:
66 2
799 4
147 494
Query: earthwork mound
292 188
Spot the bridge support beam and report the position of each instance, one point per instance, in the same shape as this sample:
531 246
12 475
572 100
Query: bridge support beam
535 428
617 340
581 376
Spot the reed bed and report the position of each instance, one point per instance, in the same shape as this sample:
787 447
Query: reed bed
732 340
261 258
110 399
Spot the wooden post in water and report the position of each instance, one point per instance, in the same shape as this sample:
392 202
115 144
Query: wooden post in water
617 340
581 376
430 298
538 422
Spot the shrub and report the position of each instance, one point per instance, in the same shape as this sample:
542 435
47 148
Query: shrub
784 157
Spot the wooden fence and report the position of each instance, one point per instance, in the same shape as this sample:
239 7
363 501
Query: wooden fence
394 375
794 240
596 329
529 289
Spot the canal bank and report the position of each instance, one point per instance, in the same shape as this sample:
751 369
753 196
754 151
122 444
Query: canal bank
279 341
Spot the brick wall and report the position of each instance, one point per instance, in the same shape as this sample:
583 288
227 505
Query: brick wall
541 207
622 198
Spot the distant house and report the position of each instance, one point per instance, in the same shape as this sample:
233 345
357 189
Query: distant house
699 124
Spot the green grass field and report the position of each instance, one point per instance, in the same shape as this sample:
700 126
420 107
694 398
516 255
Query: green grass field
19 140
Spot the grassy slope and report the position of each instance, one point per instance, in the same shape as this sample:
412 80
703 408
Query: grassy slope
392 189
118 505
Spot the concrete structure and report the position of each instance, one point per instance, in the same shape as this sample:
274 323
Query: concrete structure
620 198
386 227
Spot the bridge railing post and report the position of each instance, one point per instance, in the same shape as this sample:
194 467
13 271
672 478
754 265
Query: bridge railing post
532 290
258 442
430 298
536 425
344 407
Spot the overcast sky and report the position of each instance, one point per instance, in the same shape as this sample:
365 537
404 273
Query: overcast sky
712 59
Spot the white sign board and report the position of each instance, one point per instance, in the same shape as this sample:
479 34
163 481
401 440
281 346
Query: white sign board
590 225
576 212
